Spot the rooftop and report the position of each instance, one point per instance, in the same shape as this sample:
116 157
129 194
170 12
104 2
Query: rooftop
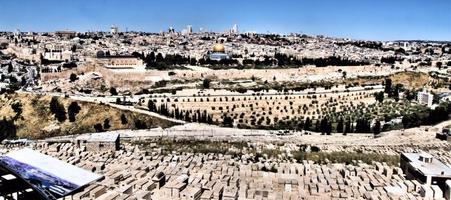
434 168
99 137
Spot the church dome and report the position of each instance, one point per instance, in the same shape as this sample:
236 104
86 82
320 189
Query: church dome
219 48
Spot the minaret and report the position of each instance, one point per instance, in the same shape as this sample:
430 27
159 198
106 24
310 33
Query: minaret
114 30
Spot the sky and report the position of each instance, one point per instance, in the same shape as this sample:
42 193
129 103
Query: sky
357 19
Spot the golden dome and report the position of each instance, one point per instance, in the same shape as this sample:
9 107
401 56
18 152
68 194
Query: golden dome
219 48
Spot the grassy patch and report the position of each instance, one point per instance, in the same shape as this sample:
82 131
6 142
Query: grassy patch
346 157
37 121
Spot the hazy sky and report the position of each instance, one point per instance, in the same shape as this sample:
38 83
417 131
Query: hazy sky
359 19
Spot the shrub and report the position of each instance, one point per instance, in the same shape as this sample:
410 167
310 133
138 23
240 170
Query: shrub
73 110
73 77
58 109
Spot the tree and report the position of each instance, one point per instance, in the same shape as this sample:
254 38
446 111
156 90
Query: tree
73 77
10 68
106 124
317 126
73 48
340 125
328 127
411 120
151 56
300 125
23 81
98 127
379 96
113 91
73 110
439 65
377 128
323 125
410 95
307 124
388 85
228 121
396 94
58 109
440 113
348 127
151 106
123 119
7 129
17 108
206 83
140 124
159 58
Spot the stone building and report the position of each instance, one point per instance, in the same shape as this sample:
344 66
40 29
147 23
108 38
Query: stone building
99 142
424 168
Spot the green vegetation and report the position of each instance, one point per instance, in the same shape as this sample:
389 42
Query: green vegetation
345 157
7 129
195 146
157 61
73 77
239 148
113 91
73 110
40 116
58 109
364 118
206 83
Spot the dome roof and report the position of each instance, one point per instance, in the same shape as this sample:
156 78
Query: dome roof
219 48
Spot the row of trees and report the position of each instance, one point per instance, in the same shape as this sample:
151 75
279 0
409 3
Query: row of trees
286 60
171 61
420 115
328 126
391 59
391 91
100 128
190 116
365 44
426 116
59 111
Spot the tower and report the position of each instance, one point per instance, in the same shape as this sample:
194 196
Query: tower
234 29
114 30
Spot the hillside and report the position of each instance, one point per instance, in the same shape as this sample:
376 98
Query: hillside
33 118
410 80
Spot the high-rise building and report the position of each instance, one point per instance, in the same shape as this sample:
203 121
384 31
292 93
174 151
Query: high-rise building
114 30
234 29
171 30
17 32
189 28
425 98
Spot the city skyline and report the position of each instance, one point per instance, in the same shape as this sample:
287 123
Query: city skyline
382 20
